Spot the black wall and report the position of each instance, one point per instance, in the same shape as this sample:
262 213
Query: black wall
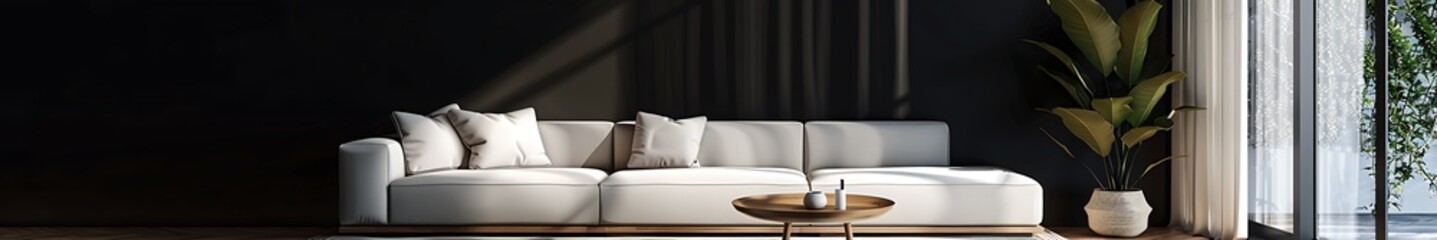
229 112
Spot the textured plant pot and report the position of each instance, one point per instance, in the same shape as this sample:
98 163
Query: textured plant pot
1118 213
815 200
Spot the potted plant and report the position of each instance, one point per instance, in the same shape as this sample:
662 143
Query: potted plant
1116 91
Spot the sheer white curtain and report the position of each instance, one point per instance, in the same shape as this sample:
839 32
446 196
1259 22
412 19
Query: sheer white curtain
1210 44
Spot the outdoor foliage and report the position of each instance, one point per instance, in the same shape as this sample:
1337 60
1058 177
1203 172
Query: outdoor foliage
1412 93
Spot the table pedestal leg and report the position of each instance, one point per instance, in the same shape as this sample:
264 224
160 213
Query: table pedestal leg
848 230
787 226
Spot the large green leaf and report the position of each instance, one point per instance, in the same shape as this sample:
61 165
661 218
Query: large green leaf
1139 134
1136 26
1147 93
1067 63
1115 110
1080 96
1090 27
1088 126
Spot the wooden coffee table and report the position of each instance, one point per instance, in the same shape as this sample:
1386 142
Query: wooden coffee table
788 208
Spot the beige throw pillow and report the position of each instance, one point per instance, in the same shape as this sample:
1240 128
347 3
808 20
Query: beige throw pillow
498 140
661 142
428 141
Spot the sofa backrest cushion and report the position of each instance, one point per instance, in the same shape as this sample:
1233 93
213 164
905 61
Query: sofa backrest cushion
429 141
579 143
845 144
733 144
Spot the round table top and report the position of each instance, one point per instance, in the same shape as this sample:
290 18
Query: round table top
788 207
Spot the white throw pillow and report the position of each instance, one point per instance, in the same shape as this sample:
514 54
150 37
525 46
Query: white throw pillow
499 140
661 142
429 142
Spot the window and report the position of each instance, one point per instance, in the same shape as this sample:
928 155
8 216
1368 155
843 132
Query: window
1322 115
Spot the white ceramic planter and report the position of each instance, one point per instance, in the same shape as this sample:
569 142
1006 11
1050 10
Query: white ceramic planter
1118 213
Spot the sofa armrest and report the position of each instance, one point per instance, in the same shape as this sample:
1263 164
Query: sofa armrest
366 167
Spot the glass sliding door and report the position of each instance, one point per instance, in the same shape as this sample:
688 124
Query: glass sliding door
1344 103
1307 165
1270 160
1344 191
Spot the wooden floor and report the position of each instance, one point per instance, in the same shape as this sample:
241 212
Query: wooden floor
177 233
165 233
1079 233
668 229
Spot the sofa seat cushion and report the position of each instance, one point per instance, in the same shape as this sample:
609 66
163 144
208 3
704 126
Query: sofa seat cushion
507 176
497 196
691 196
962 196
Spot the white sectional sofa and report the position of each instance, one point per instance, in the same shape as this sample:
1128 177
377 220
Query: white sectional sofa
588 186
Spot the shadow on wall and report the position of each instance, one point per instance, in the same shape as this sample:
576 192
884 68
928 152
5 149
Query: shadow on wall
724 59
581 74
